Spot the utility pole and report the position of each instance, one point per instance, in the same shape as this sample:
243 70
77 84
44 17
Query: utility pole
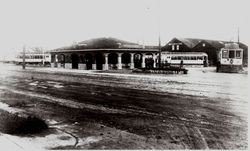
23 57
159 52
238 35
159 28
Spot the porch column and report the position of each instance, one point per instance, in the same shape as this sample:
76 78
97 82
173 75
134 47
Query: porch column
154 58
106 65
56 58
132 64
56 61
143 65
119 61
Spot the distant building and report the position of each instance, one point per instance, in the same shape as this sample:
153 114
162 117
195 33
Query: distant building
211 47
104 54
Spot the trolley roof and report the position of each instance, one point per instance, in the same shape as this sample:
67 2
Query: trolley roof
185 53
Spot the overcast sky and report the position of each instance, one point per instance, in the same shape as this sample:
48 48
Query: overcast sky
56 23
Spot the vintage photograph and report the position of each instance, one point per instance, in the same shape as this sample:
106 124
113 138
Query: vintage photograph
124 75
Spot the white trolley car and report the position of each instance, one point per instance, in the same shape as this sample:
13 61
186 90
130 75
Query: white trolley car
34 59
187 58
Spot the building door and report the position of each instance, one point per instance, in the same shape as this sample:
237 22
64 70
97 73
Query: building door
113 60
88 61
99 61
138 60
149 61
75 61
126 60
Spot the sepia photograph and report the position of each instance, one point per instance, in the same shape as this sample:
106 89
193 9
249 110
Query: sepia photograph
124 74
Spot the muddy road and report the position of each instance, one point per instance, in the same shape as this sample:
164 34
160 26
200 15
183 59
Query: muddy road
200 110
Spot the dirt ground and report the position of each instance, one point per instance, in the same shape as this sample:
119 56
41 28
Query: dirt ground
106 111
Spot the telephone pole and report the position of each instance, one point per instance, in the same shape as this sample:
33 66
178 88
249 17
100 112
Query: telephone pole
159 51
238 35
159 28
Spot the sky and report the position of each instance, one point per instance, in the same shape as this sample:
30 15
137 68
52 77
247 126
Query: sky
55 23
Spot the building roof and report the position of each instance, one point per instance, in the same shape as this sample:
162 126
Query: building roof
106 50
192 42
102 43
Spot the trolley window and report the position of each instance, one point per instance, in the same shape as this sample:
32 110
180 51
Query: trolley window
173 58
199 58
238 54
224 54
193 58
231 54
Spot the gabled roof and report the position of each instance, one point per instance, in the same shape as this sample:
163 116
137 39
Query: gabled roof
216 43
192 42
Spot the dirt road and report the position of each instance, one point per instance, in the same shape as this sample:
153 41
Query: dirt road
119 111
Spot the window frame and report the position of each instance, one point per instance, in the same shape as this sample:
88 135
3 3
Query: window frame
225 56
173 47
236 54
233 54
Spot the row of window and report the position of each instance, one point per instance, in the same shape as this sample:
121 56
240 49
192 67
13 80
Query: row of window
33 57
231 54
175 46
187 58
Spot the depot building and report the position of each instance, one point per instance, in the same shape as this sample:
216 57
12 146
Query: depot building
112 53
104 54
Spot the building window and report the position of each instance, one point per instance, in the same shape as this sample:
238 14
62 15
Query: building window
224 54
177 47
238 54
231 54
203 44
172 47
